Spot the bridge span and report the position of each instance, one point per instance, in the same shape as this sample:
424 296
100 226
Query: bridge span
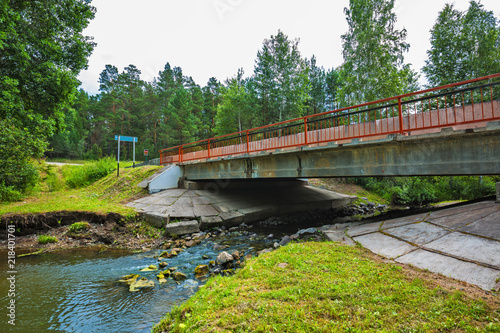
448 130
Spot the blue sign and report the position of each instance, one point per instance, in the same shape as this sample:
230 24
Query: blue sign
126 138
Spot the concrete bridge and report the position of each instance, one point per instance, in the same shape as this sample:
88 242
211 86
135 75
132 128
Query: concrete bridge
448 130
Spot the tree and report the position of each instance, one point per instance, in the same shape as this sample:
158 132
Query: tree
42 52
317 94
373 52
231 112
281 79
464 45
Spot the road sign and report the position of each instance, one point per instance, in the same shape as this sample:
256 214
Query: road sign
126 138
145 152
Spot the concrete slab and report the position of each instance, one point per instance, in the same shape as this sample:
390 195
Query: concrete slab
481 276
393 223
208 222
182 228
488 226
384 245
204 210
460 220
231 219
460 210
470 247
166 201
339 236
364 228
179 211
419 233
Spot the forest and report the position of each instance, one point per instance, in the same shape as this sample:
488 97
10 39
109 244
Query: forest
43 113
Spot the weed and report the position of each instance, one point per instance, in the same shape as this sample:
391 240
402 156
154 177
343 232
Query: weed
79 226
44 239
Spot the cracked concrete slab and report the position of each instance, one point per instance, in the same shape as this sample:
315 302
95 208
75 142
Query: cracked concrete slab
488 226
419 233
393 223
364 228
384 245
483 277
468 246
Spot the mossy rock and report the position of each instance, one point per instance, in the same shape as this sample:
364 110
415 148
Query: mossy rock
160 276
129 279
150 268
166 273
201 270
178 276
142 283
163 264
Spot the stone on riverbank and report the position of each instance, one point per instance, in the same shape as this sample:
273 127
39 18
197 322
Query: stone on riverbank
223 258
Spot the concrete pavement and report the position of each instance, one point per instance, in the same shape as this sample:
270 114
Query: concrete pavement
461 242
183 211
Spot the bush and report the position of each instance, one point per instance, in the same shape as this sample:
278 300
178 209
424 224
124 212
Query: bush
44 239
9 194
80 176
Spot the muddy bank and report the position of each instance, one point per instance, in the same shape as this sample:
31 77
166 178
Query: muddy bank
27 224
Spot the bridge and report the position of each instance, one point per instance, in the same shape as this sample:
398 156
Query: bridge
447 130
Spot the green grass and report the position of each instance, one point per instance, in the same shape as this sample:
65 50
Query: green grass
44 239
326 287
103 196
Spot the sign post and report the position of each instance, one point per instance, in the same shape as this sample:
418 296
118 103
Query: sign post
146 154
127 139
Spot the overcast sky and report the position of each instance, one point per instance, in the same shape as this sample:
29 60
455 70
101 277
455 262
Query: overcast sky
213 38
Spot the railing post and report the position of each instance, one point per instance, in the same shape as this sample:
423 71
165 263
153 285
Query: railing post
180 154
208 148
305 131
400 110
248 144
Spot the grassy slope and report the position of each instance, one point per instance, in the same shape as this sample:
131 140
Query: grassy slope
104 196
326 287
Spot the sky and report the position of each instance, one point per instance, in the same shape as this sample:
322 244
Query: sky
213 38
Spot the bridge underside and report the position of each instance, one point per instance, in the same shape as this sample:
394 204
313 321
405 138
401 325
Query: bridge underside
463 152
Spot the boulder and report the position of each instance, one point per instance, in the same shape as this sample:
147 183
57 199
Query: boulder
178 276
223 258
129 279
285 240
163 264
235 255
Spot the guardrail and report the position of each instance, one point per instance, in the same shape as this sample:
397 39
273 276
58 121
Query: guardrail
461 105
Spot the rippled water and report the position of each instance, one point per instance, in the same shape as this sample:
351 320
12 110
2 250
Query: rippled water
77 290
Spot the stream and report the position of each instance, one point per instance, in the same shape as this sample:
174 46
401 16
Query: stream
76 290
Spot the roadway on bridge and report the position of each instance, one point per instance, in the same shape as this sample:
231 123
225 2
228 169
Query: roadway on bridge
461 242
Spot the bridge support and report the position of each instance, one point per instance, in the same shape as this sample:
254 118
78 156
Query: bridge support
462 152
498 192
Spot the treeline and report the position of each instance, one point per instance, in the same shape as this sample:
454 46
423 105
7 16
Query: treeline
173 109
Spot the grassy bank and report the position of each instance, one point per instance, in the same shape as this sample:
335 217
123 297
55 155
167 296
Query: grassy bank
326 287
65 188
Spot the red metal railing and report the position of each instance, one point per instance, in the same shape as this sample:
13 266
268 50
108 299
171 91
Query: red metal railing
464 104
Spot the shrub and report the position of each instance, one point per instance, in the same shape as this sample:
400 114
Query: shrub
80 176
79 226
44 239
9 194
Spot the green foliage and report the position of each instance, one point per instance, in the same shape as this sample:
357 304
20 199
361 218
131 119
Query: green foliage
373 52
80 176
45 239
9 193
281 79
417 191
79 226
464 45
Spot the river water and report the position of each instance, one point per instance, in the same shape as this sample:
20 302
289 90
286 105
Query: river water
76 290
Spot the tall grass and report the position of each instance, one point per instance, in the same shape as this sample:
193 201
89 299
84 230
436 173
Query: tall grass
80 176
